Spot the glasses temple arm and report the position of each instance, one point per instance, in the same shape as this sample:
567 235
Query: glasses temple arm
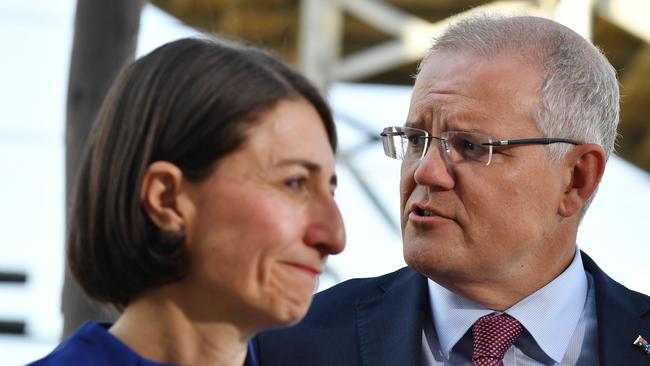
540 141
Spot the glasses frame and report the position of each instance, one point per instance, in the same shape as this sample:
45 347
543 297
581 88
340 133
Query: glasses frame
388 132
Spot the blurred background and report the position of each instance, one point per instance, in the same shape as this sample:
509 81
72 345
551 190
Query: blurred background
361 53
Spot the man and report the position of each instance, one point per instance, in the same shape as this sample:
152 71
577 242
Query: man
510 126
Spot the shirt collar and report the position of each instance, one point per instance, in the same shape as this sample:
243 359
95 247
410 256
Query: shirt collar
550 314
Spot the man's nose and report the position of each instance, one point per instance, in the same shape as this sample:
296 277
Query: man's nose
326 231
432 170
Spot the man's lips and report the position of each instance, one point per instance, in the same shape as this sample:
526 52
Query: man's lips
426 213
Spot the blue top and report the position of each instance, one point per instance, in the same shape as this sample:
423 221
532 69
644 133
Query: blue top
93 345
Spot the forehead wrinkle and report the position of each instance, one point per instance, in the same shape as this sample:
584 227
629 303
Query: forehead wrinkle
425 112
458 114
444 102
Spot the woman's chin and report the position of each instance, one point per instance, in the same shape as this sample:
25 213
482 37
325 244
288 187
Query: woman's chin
291 313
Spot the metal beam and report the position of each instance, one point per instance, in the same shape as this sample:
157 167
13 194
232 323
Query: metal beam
631 15
321 36
320 39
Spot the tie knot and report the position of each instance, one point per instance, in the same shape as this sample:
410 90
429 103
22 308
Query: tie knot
493 335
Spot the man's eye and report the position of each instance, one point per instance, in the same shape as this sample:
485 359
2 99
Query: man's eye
415 140
467 145
471 150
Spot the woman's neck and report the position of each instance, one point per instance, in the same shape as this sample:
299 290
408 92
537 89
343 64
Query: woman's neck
159 329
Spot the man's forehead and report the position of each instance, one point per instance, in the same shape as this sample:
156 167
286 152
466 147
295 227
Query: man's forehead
445 71
455 88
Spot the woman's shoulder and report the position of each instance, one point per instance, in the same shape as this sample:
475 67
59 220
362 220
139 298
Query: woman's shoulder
93 345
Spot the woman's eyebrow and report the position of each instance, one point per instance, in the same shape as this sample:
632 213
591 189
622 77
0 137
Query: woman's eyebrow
307 164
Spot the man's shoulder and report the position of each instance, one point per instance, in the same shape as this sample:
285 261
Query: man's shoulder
610 292
337 303
359 288
329 333
622 315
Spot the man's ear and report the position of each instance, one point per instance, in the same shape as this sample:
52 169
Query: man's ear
586 165
160 193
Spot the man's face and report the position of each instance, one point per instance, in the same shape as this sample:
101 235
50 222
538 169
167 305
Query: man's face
468 223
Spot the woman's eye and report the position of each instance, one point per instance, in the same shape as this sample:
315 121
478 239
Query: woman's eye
296 183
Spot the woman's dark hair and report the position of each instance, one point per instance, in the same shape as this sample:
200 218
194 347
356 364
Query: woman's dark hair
190 103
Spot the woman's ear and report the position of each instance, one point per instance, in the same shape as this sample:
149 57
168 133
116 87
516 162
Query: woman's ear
586 165
160 193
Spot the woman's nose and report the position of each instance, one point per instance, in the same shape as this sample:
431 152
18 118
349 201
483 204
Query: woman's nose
326 231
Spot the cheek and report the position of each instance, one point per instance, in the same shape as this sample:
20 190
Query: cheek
265 234
276 288
238 241
272 235
510 212
406 185
486 206
528 196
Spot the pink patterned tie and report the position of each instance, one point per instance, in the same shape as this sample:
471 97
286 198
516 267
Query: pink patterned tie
493 335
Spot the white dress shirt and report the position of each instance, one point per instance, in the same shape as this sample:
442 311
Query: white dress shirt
559 321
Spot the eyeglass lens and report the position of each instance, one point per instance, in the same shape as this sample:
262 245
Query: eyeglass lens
467 147
406 143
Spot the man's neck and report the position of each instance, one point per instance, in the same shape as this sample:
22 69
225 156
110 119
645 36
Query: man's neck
514 283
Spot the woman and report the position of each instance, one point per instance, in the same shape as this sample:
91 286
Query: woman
204 207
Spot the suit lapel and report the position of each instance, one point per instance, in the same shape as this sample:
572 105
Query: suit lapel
389 324
622 315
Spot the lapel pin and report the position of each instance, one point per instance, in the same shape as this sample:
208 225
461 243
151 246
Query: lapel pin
643 344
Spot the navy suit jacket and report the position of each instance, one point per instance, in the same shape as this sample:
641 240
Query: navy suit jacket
378 321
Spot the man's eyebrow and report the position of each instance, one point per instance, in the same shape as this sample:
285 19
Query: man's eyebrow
413 124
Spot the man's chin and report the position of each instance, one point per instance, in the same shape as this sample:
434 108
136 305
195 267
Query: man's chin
425 258
417 259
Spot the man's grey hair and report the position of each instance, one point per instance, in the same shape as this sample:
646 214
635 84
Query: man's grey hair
579 91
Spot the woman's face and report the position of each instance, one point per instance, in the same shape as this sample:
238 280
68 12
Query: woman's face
264 222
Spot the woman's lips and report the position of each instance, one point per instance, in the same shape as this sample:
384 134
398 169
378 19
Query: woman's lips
309 270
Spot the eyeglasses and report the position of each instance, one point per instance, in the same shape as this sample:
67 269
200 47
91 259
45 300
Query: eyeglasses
406 143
